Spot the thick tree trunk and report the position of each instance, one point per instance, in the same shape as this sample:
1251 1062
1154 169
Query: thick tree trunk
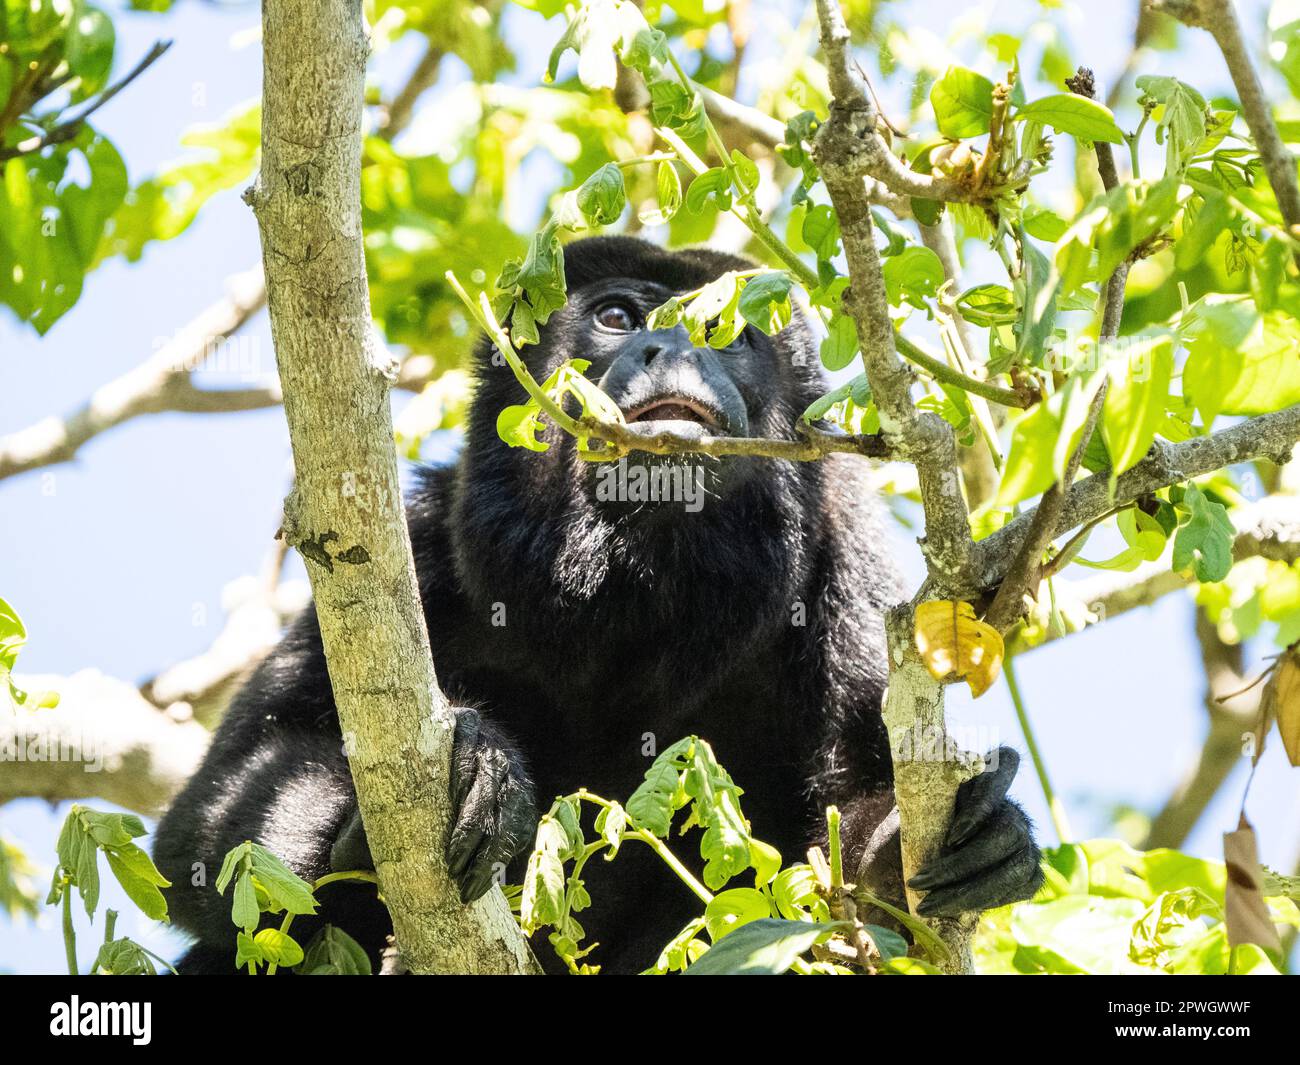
345 513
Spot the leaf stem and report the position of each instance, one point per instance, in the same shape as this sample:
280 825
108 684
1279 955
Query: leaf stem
69 932
941 371
1059 820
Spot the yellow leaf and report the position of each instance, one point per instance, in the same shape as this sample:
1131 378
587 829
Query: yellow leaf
954 643
1282 700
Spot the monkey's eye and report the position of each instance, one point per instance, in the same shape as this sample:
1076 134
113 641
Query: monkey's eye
617 316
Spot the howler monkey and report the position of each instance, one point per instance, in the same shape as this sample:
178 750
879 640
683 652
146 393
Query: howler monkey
585 629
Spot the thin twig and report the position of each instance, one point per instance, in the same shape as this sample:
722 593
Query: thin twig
942 371
65 131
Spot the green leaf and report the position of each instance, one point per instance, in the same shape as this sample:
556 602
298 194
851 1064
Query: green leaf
914 275
1113 225
712 187
88 49
112 830
1043 439
541 275
840 347
1078 934
821 231
1200 232
1135 401
286 888
712 313
1040 302
858 391
734 909
542 901
1146 539
611 822
765 947
244 911
746 171
1076 115
651 806
890 943
798 896
235 861
1242 362
765 302
1043 224
962 102
332 952
1181 115
602 197
988 305
278 947
1204 544
140 879
123 957
668 186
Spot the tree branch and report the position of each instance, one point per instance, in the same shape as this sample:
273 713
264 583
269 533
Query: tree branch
1026 568
1267 529
1269 436
1219 18
162 383
922 438
863 152
847 148
104 740
346 501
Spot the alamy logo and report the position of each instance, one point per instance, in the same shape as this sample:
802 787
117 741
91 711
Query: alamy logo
102 1018
651 483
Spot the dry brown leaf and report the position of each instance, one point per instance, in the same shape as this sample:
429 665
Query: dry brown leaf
1246 911
1281 700
954 643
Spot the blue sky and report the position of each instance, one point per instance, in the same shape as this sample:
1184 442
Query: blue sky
109 559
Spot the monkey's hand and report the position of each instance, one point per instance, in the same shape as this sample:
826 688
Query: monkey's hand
989 857
494 813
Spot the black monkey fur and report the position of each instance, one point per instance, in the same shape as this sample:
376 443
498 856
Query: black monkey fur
754 622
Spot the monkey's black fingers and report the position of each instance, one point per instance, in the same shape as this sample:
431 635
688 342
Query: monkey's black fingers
493 801
467 742
1001 836
476 814
981 795
1019 877
515 822
351 849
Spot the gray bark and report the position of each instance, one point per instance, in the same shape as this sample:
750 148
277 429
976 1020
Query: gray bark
345 513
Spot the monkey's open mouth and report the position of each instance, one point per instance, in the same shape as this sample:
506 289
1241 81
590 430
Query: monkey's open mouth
674 409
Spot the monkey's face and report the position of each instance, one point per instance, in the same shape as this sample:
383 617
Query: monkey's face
662 382
659 379
756 386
